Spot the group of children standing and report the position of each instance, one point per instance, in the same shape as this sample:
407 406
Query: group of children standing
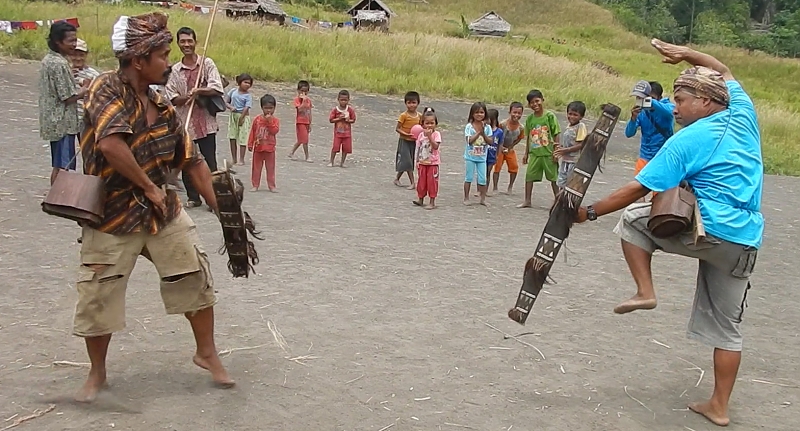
489 144
259 135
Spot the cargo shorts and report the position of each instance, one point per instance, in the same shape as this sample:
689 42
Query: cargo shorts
723 277
182 265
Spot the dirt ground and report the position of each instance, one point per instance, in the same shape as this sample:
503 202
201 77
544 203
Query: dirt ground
385 308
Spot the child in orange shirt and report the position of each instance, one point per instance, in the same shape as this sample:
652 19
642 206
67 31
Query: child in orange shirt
262 142
303 106
342 117
407 144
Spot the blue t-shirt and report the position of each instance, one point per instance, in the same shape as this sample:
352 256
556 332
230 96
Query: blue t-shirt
491 155
477 151
657 126
720 157
239 101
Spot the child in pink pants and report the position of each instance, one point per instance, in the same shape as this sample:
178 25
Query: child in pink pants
262 142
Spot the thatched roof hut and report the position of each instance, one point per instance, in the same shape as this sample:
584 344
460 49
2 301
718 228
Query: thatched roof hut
264 9
371 14
490 24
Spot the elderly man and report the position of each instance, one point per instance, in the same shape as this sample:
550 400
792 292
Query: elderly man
182 88
718 152
58 98
82 72
134 140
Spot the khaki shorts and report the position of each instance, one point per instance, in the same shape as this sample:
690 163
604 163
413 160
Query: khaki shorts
723 277
186 283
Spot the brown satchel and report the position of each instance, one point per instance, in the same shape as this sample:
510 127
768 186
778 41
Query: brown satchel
76 197
672 212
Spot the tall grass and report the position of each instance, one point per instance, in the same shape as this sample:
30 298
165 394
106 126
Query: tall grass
418 55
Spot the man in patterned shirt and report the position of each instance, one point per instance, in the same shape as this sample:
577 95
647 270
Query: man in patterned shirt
133 139
58 97
181 91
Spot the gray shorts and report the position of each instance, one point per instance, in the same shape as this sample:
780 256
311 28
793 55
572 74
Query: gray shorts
564 169
723 277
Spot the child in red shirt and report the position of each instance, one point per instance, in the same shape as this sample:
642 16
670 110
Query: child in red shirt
342 117
303 106
262 143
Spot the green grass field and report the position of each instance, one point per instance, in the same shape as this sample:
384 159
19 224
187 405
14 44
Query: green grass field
552 48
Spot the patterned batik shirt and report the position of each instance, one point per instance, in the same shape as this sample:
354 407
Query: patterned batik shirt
81 75
181 82
56 118
160 149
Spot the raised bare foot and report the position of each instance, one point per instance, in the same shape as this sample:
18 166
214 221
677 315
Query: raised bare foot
417 203
291 156
411 187
524 205
716 415
94 384
635 303
430 207
397 183
218 373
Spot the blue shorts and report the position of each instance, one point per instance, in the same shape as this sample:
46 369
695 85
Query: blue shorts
62 153
474 168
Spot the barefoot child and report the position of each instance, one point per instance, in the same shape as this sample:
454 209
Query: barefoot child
342 117
478 136
571 142
303 106
240 102
262 142
513 133
406 145
427 157
541 133
497 138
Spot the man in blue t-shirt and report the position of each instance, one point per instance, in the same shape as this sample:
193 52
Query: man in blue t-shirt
656 121
718 153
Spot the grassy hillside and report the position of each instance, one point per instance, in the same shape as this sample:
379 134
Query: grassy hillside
553 48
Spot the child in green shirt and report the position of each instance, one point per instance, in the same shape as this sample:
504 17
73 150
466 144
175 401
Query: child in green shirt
541 136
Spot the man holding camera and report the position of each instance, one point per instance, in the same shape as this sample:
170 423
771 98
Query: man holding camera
653 114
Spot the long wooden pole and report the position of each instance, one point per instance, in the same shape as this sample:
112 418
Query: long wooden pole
202 63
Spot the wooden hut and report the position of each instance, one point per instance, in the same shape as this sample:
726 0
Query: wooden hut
371 15
268 10
489 25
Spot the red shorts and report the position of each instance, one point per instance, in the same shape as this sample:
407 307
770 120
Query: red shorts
427 181
302 133
343 144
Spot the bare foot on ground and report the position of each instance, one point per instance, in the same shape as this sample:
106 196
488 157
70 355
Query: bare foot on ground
411 187
483 203
417 203
330 165
430 207
467 202
397 183
218 373
273 190
309 161
524 205
508 192
716 416
94 384
635 303
342 166
254 189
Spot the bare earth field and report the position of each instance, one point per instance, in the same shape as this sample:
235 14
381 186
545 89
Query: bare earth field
385 308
